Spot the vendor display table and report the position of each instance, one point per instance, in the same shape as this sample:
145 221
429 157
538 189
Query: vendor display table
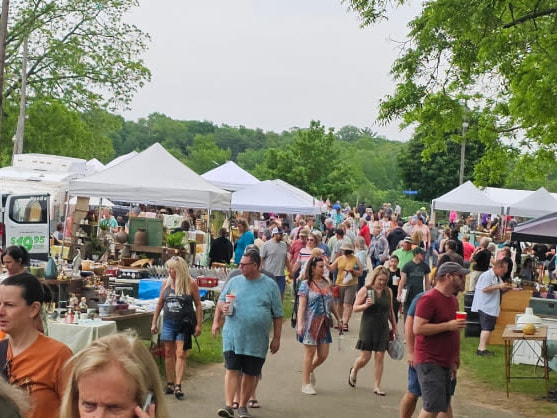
513 339
62 288
78 336
138 321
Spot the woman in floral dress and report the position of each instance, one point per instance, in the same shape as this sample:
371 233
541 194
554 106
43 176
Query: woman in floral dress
314 324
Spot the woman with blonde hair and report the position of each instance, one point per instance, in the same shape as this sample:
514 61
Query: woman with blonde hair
115 375
374 300
178 295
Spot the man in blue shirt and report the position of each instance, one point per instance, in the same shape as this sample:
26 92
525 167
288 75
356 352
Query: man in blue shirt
245 335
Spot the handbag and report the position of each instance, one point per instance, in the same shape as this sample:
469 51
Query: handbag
188 327
396 348
347 278
328 315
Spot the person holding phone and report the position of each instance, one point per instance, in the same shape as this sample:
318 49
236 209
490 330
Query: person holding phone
114 375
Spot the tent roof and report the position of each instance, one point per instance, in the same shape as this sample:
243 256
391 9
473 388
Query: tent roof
121 158
274 196
536 204
94 165
153 176
230 176
467 198
543 229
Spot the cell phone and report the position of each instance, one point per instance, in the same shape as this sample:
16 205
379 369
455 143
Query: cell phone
148 401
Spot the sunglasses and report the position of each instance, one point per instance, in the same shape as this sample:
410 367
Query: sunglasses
244 264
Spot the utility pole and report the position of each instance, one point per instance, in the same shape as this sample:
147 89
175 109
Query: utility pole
3 36
463 145
18 143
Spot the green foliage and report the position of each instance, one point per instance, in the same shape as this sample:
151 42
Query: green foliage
312 163
51 128
175 240
80 52
204 154
500 59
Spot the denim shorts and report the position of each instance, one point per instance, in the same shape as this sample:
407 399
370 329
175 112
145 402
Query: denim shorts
281 281
170 330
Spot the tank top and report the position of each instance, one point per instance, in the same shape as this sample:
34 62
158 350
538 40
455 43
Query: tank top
176 307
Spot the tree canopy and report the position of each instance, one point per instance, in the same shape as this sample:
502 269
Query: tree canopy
492 59
80 52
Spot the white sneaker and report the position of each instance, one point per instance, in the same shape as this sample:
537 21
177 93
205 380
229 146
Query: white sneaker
312 379
308 389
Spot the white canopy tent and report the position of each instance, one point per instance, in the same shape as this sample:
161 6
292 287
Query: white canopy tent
230 176
467 198
153 176
274 196
120 159
538 203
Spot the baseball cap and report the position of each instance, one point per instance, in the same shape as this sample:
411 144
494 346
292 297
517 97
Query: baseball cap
408 240
419 250
276 230
451 267
422 208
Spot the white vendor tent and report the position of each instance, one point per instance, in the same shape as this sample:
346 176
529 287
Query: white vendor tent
153 176
94 166
121 158
506 197
274 196
467 198
230 176
538 203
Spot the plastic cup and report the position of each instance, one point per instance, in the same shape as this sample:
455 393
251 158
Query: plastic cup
230 301
461 315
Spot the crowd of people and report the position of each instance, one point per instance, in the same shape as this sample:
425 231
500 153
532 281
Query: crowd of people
365 262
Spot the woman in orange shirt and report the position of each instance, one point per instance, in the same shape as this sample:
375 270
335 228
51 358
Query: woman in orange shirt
33 361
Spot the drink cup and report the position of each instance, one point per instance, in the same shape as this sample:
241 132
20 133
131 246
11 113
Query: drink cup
371 295
396 279
461 315
230 301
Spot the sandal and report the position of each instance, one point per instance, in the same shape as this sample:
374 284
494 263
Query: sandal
253 403
351 380
178 392
345 327
169 388
235 405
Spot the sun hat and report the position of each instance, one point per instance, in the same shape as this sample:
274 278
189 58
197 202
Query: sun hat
347 245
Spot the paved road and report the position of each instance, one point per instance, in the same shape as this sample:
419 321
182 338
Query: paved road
280 396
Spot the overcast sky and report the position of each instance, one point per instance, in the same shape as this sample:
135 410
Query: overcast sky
269 64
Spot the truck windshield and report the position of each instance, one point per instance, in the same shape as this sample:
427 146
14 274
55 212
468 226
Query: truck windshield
29 209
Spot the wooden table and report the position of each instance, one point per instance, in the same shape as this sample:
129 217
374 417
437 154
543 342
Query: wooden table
138 321
510 337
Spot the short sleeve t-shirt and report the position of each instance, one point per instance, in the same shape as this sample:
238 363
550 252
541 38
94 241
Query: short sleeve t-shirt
274 255
443 348
39 371
487 302
257 303
415 278
482 259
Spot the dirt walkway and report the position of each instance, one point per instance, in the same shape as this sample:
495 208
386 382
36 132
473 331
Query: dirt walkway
280 396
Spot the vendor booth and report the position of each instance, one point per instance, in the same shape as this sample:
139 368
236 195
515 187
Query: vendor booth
467 198
230 176
274 196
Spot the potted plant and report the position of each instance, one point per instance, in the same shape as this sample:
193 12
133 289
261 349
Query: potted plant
175 240
97 248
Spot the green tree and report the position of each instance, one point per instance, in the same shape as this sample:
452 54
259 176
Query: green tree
311 163
80 52
204 154
500 59
52 128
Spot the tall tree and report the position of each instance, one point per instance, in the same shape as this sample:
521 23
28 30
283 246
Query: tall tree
204 154
500 58
80 52
312 162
